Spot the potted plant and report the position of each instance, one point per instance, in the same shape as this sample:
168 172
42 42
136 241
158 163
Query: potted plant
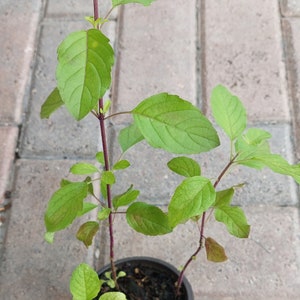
85 61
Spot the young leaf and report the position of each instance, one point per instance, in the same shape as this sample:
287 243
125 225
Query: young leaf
253 136
113 296
83 168
129 136
184 166
83 73
214 251
147 219
234 219
64 206
84 283
52 103
108 177
191 198
228 112
100 157
126 198
49 237
121 165
103 214
87 232
106 106
119 2
103 187
87 207
224 197
175 125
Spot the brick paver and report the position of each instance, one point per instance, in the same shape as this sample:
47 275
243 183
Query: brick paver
243 50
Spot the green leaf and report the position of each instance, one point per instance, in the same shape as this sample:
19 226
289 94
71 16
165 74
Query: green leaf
184 166
104 213
234 219
251 144
214 251
84 283
64 206
100 157
247 154
113 296
83 73
87 232
121 165
126 198
52 103
175 125
129 136
119 2
279 165
108 177
83 168
87 207
228 112
147 219
191 198
224 197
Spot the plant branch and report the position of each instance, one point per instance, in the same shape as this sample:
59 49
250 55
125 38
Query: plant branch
117 114
107 15
193 256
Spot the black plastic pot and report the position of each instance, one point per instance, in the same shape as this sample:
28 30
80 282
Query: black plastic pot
148 278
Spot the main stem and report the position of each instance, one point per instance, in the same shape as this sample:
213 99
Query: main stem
101 118
193 256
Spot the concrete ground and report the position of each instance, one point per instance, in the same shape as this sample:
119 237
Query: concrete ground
182 47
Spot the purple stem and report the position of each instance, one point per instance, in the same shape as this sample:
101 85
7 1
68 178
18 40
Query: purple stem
101 118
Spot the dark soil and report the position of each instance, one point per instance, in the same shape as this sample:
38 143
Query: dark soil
145 282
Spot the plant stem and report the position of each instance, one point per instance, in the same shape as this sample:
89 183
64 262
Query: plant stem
109 199
101 117
96 9
193 256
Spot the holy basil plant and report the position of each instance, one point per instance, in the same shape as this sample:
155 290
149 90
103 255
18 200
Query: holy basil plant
165 121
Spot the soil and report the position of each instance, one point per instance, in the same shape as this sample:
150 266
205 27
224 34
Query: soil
146 282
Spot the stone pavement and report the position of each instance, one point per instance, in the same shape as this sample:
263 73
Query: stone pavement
183 47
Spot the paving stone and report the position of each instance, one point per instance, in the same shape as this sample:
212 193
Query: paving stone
31 268
243 51
60 135
265 266
76 8
291 29
290 8
8 142
16 52
152 60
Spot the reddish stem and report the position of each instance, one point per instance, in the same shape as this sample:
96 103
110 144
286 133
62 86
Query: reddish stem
101 118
